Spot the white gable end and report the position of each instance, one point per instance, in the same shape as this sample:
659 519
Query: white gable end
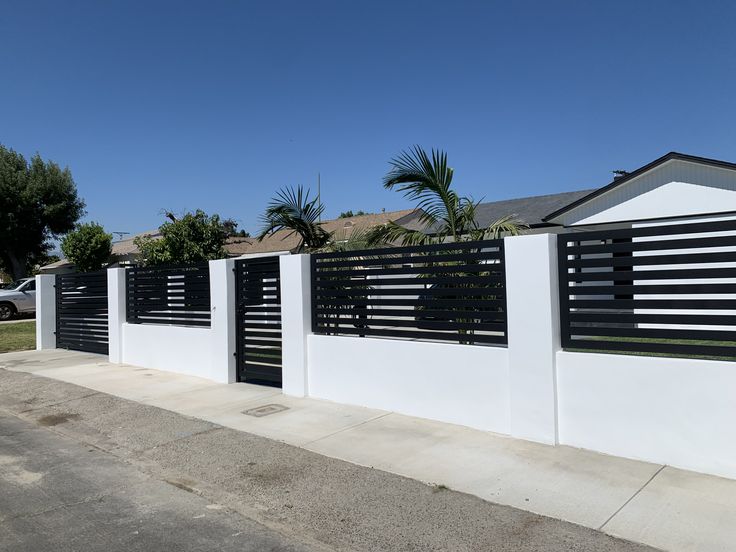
674 189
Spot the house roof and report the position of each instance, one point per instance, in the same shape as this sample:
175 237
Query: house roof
673 155
60 264
286 240
529 210
128 246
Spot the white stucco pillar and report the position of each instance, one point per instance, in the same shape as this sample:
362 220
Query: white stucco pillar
296 322
45 311
222 329
533 335
115 313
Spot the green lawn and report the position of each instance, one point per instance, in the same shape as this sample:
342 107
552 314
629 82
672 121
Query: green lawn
18 337
704 343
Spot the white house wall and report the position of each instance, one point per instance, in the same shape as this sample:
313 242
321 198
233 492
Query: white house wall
675 189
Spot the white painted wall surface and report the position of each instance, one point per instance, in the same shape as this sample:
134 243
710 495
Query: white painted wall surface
222 302
533 334
296 322
45 311
115 312
180 349
459 384
679 412
674 189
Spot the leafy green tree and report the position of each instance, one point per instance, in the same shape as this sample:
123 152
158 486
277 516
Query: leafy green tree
192 238
445 215
293 210
88 246
38 202
348 214
231 228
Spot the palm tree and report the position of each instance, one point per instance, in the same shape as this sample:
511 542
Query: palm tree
445 215
293 210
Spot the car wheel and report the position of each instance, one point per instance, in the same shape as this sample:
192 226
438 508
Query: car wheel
6 311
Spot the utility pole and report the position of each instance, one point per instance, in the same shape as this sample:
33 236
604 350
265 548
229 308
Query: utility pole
319 193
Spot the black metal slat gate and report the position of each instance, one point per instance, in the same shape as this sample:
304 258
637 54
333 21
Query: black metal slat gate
258 295
81 312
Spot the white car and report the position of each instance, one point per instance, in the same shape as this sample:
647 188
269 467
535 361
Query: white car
18 298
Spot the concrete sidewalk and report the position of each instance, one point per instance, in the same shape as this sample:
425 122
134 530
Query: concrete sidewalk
652 504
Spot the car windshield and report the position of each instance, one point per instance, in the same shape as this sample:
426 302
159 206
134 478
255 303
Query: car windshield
16 284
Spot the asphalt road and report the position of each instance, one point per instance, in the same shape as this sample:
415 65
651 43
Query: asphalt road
58 494
81 470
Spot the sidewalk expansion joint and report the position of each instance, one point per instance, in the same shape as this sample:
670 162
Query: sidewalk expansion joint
632 497
304 445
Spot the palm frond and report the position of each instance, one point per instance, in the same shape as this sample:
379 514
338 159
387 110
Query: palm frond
392 233
292 209
355 240
426 180
509 225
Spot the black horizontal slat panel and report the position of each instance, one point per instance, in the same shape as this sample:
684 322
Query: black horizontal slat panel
169 295
652 245
652 290
631 304
668 274
439 292
452 270
662 289
81 312
261 332
639 318
173 321
258 293
490 245
646 260
423 323
330 282
358 262
158 307
366 302
420 335
487 315
262 358
444 292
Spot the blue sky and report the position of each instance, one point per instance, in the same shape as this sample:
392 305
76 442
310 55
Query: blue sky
215 105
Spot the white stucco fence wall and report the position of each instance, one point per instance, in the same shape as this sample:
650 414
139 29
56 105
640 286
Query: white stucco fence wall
673 411
460 384
194 351
678 412
181 349
505 390
45 311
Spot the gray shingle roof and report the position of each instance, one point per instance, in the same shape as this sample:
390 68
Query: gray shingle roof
530 210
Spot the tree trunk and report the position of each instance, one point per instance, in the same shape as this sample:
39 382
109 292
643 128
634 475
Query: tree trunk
17 268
